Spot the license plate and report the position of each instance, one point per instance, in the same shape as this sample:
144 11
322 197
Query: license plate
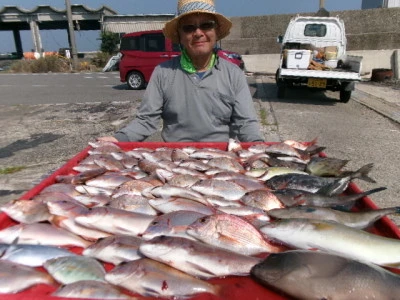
316 83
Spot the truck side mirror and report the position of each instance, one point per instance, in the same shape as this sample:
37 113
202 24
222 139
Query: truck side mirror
279 39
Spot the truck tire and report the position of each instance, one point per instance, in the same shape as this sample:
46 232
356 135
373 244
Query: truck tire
345 96
281 90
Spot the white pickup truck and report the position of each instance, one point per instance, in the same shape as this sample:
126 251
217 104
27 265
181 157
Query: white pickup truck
314 55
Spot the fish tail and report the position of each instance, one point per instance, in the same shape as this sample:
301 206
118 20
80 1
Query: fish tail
379 189
363 172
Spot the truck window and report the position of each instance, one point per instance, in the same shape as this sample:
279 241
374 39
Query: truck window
318 30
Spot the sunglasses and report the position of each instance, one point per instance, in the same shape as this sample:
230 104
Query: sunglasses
206 26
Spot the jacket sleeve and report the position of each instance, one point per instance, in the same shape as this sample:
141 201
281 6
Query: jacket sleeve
147 120
244 123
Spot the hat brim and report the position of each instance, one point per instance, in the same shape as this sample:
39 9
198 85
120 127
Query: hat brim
170 29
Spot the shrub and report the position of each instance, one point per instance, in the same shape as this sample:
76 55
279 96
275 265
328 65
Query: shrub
41 65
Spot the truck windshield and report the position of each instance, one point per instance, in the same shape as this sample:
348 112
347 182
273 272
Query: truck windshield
318 30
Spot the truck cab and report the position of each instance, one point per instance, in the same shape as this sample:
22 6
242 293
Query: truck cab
313 54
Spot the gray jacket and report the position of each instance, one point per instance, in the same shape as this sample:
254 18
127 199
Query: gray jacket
193 109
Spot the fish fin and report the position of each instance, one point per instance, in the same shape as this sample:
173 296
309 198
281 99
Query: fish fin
379 189
12 248
335 188
362 173
205 272
322 226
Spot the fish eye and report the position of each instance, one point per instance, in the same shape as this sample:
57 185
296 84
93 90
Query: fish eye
203 220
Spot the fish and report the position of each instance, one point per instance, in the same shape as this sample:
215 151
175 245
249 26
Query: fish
293 197
151 278
90 289
326 166
69 269
167 191
31 255
358 220
108 180
304 274
262 199
171 224
313 184
301 145
335 238
84 176
226 189
41 234
115 221
196 258
115 249
133 203
275 171
26 211
131 187
16 277
232 233
172 204
226 163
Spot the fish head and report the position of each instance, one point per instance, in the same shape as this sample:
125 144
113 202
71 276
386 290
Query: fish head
203 226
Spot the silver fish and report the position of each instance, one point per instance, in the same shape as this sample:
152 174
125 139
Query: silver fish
115 221
358 220
90 289
335 238
175 204
41 234
196 258
171 224
150 278
71 269
225 189
31 255
167 191
317 275
133 203
15 277
115 249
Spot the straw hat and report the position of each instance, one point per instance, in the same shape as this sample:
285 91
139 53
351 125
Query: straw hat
186 7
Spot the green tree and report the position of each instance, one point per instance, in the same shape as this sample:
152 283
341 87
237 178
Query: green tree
109 42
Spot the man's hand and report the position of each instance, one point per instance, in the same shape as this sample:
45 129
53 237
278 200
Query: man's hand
107 139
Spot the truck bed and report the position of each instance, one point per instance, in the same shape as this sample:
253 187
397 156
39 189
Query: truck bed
331 74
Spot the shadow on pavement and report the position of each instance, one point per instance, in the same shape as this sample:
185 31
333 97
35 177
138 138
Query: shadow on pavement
295 95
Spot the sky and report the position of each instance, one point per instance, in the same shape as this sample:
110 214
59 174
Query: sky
52 40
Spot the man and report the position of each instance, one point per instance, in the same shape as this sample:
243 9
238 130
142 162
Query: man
199 97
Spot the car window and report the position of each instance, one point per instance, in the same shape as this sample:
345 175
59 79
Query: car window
130 43
318 30
154 42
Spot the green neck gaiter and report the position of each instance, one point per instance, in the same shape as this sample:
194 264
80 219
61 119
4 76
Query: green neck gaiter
187 64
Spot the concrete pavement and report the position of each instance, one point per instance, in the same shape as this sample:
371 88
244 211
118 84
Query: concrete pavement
383 99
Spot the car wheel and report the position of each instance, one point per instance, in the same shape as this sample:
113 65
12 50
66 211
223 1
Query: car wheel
135 80
345 96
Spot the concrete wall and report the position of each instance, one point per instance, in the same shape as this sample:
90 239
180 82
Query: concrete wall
371 33
370 29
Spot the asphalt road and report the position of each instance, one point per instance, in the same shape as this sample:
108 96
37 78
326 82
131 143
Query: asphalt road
47 119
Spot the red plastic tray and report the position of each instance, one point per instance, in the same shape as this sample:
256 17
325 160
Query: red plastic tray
232 287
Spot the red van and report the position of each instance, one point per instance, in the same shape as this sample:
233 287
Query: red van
143 51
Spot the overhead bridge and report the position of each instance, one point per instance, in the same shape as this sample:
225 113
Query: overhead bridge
45 17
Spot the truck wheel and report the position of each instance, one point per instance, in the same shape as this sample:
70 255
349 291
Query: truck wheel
135 80
281 90
345 96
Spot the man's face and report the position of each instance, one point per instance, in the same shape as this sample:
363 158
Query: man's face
198 34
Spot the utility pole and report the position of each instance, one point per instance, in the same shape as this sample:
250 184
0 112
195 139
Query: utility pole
71 36
321 4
